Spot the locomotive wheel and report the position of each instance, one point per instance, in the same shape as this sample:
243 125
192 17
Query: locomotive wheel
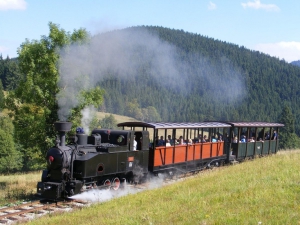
116 183
107 184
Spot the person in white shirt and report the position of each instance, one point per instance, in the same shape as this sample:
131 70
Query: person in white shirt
134 143
168 143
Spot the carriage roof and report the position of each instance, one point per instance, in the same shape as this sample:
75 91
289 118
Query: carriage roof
195 125
182 125
255 124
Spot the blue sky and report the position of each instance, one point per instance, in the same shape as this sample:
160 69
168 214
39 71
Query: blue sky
269 26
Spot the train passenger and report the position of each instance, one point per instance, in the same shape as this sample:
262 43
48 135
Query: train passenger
161 141
134 143
235 139
181 141
190 142
274 136
267 136
171 139
198 139
214 138
243 139
168 143
204 139
251 139
220 138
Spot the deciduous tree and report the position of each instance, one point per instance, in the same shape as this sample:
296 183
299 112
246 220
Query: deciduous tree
33 102
10 158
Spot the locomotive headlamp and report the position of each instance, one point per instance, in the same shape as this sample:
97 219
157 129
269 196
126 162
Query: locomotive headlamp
51 158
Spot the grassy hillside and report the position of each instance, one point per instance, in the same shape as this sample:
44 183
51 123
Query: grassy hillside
119 118
263 191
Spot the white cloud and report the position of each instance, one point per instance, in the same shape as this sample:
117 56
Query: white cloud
289 51
256 4
212 6
12 5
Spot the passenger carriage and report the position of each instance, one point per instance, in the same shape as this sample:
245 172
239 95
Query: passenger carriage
262 145
199 155
183 158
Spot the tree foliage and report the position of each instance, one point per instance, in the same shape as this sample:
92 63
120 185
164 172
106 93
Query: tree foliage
10 157
288 137
108 122
9 73
33 103
2 98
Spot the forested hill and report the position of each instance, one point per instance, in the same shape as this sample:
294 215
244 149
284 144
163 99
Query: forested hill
203 79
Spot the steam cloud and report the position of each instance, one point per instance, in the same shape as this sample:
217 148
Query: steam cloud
84 66
96 195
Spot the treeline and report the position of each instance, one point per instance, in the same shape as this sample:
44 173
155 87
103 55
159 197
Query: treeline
159 74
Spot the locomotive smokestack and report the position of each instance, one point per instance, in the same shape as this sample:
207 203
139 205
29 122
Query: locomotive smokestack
62 128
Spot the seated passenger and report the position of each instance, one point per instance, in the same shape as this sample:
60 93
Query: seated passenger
220 138
198 139
168 143
274 136
204 139
214 138
267 136
243 139
251 139
235 139
181 141
170 140
190 142
161 141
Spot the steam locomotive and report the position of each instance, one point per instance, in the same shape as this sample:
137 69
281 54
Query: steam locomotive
107 158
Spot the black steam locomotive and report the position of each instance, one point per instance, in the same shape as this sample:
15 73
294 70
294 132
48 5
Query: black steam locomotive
107 158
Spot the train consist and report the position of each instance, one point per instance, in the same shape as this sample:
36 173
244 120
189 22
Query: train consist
107 158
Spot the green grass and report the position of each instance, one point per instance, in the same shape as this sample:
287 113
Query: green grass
119 118
263 191
18 187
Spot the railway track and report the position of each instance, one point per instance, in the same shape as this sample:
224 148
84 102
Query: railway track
32 210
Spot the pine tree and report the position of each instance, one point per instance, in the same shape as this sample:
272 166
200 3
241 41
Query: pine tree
2 98
10 158
288 138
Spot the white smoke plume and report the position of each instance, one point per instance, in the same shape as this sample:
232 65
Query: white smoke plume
88 114
124 53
